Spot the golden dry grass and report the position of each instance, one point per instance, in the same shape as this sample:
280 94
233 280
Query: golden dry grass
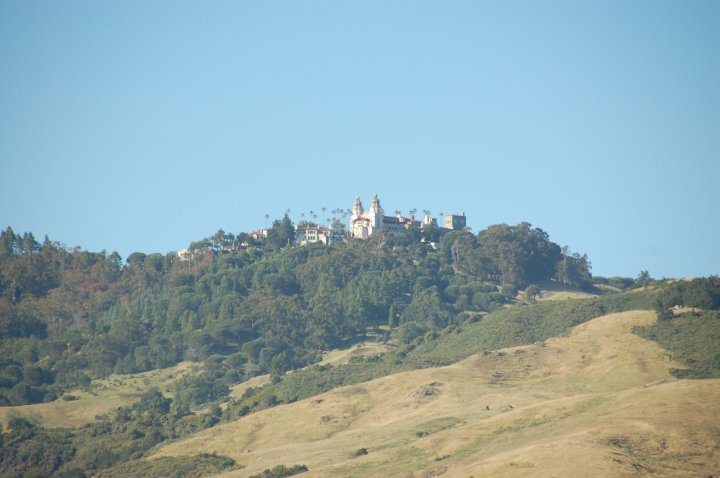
564 295
600 402
237 391
365 349
102 396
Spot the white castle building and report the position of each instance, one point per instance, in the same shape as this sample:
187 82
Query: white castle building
364 224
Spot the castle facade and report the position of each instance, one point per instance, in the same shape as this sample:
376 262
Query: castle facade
364 224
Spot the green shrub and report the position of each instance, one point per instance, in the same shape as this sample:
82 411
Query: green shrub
359 452
281 471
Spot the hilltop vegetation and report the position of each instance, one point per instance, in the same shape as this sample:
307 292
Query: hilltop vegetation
241 308
69 316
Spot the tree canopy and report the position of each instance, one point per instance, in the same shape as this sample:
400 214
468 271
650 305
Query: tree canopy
88 315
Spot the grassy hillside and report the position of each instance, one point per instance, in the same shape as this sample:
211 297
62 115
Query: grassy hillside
599 402
525 324
189 466
79 407
693 338
93 338
510 326
116 442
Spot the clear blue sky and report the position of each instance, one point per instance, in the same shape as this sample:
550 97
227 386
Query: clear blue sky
146 125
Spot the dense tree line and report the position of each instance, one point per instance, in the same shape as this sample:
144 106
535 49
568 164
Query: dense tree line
701 293
518 255
68 315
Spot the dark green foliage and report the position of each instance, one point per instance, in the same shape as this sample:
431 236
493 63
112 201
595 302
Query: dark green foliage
693 338
282 233
643 279
360 452
574 270
279 365
664 314
426 309
47 294
27 447
187 466
621 282
532 291
516 254
636 300
194 390
509 290
503 254
153 402
703 293
409 331
281 471
70 472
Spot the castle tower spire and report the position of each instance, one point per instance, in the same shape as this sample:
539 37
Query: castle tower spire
376 213
375 207
358 208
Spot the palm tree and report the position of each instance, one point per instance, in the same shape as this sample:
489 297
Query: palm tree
267 216
348 214
398 212
323 213
412 212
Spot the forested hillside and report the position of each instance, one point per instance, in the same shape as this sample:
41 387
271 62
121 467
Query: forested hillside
69 315
240 308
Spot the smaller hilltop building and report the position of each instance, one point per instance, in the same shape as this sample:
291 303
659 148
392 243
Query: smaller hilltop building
364 224
455 221
312 234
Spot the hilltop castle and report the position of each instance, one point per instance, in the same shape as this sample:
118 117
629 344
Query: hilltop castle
364 224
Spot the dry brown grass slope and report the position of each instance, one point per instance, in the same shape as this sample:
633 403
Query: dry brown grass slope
599 402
